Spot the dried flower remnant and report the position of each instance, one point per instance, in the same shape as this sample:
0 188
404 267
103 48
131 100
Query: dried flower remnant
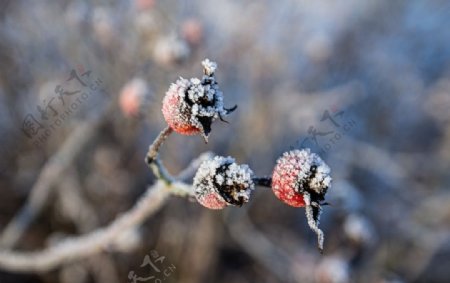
301 179
190 106
220 182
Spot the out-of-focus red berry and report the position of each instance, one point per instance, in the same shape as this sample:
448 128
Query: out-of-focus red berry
133 97
192 31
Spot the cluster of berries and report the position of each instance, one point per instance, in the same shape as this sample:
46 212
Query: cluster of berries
300 178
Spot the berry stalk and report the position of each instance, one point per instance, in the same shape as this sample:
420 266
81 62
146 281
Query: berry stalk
152 159
263 181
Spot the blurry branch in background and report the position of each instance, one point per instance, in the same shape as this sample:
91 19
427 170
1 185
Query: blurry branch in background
51 173
385 166
77 208
201 248
74 206
257 245
189 171
100 240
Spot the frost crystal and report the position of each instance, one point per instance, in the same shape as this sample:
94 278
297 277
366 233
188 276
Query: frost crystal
313 173
209 66
223 178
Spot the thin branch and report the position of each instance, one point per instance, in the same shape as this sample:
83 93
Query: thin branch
152 159
193 166
263 181
98 241
78 210
51 173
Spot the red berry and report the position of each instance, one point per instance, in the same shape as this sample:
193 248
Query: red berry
299 179
300 171
212 201
177 115
190 106
220 182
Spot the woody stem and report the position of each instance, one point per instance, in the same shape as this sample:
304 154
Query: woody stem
263 181
152 159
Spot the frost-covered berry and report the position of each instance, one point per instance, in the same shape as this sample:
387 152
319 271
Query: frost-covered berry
297 172
190 106
220 182
301 179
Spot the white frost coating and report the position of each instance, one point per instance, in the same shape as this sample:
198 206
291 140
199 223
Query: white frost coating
302 160
205 97
209 66
238 176
313 224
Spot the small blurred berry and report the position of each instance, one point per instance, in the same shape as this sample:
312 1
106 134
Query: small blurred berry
192 31
220 182
142 5
133 97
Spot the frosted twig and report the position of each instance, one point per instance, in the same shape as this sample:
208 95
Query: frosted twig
93 243
152 159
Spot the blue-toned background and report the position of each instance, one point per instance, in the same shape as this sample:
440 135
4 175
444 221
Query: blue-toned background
366 84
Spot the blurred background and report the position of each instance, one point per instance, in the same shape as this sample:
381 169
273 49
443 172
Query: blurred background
363 83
